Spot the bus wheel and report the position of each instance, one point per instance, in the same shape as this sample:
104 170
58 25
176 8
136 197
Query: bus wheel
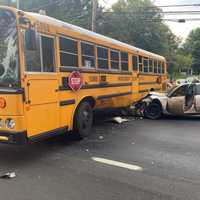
83 119
153 111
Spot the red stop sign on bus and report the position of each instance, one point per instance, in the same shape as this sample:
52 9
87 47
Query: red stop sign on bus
75 81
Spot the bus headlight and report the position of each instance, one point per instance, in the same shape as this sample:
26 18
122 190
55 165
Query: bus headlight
10 123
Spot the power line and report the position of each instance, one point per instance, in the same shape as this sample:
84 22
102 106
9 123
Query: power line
186 12
179 5
146 18
144 13
196 12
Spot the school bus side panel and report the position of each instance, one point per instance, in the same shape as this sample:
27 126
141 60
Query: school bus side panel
42 110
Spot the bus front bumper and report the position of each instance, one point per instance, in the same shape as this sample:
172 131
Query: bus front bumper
13 137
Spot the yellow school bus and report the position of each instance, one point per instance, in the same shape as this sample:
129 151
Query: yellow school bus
53 75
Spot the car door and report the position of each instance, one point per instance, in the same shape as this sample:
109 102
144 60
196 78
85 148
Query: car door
197 98
176 101
189 107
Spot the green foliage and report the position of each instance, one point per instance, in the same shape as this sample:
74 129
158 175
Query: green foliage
7 3
77 12
136 22
139 23
183 61
192 46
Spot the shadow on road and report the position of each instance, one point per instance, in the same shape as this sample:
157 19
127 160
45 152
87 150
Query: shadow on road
17 156
13 156
182 118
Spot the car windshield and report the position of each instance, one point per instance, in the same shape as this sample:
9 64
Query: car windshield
9 67
171 90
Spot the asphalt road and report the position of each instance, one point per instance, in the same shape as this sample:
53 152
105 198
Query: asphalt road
167 151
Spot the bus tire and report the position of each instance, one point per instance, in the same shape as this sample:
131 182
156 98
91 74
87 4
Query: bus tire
153 111
83 119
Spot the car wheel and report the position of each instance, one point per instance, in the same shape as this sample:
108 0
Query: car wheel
83 120
153 111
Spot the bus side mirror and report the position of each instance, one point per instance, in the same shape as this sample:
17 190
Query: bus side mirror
30 39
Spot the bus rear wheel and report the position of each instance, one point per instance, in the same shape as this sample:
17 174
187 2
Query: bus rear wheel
153 111
83 120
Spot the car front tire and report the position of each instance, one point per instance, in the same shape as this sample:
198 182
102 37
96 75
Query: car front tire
153 111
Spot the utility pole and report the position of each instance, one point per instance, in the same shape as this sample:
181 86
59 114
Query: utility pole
18 6
94 14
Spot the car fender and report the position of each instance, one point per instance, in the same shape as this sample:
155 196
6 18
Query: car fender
162 99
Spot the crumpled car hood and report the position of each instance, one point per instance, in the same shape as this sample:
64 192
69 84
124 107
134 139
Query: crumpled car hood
157 94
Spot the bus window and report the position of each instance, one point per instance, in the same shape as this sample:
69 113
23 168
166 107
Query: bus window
159 67
68 52
114 59
88 54
135 63
163 68
146 65
150 65
32 58
124 61
140 64
48 58
155 66
102 53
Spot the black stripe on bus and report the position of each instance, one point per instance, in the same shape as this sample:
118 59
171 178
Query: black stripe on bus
49 134
142 91
148 90
92 71
150 74
67 102
96 86
11 91
157 89
148 83
113 95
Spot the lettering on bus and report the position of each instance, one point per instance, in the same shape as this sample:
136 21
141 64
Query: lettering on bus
124 78
93 78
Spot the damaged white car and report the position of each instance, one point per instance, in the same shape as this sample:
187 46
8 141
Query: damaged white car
180 100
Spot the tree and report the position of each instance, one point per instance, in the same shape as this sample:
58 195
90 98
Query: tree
136 22
192 46
77 12
183 63
139 23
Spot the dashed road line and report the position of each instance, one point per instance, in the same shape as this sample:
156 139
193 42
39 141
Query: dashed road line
118 164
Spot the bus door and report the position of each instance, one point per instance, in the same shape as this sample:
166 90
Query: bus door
42 107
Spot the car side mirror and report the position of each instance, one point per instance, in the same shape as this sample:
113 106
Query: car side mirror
30 39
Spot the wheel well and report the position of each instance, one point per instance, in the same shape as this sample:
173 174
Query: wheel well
158 102
91 100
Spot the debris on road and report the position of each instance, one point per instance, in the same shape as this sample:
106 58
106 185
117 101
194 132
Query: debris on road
118 120
101 137
9 175
133 143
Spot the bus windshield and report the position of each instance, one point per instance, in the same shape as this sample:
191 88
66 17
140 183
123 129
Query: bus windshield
9 67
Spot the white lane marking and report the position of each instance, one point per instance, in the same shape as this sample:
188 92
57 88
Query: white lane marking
118 164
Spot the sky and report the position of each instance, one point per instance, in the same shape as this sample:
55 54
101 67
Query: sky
180 29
